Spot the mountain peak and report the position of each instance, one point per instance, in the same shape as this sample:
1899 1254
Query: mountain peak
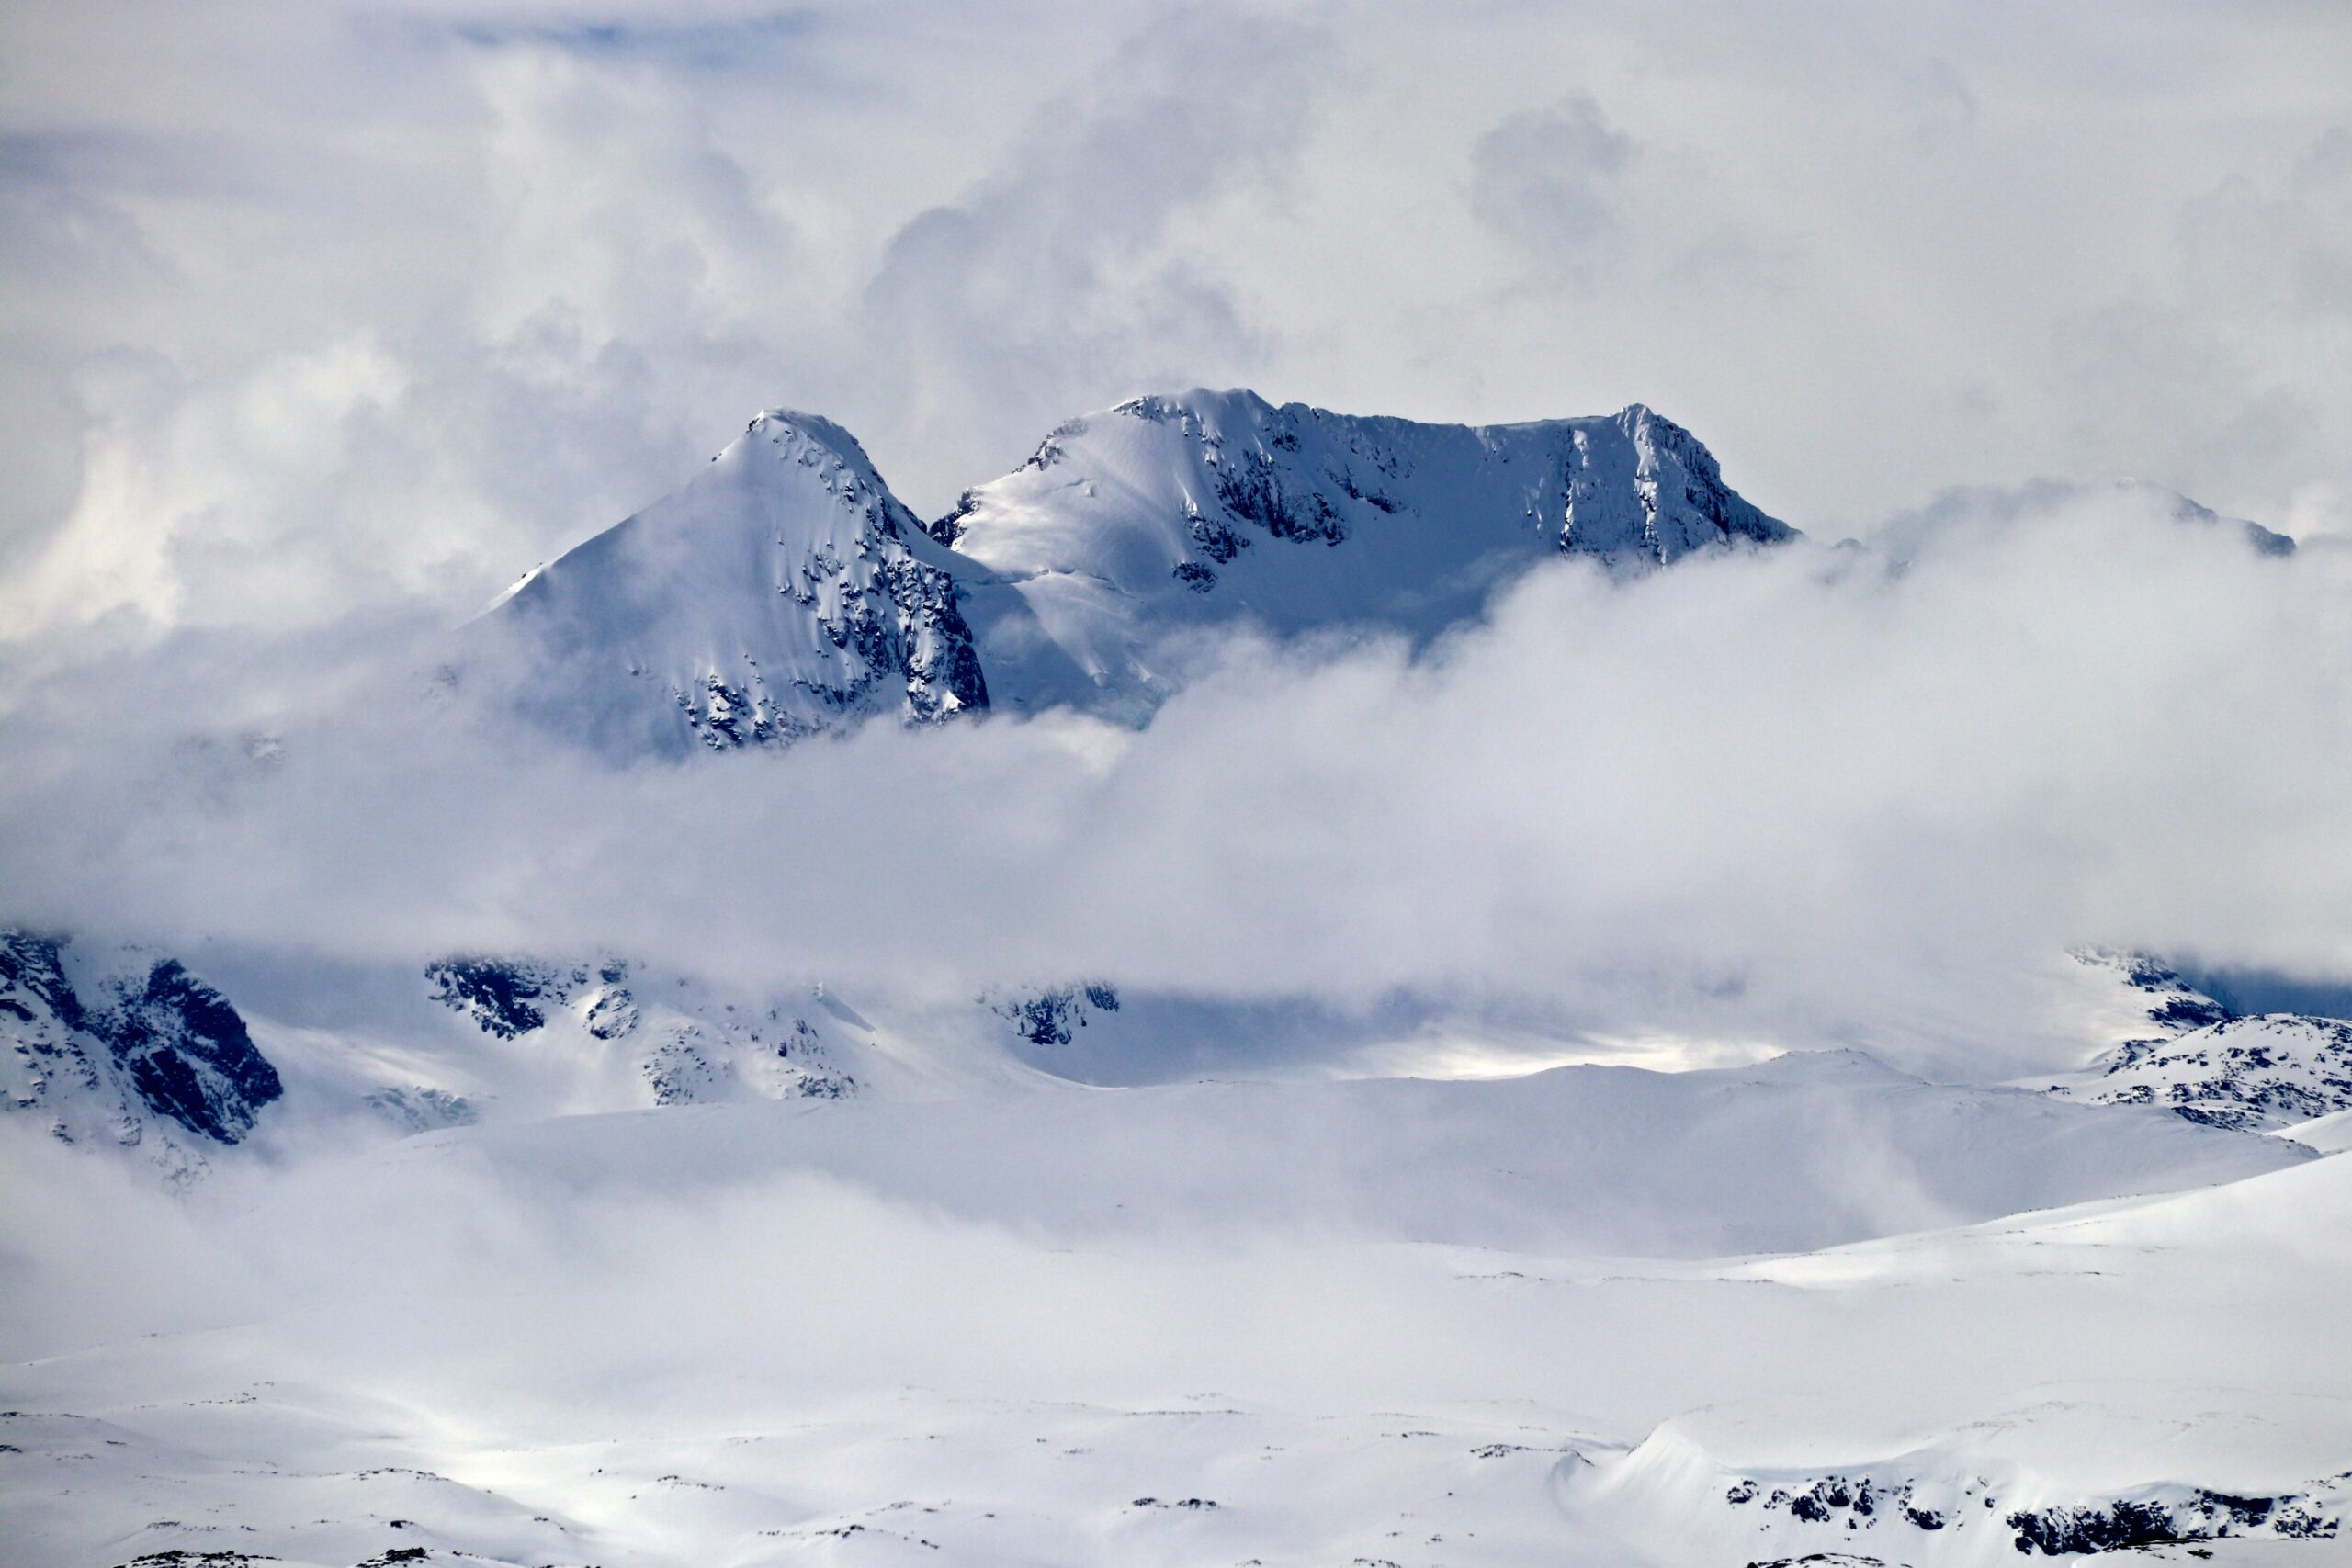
2181 509
797 430
784 589
778 441
781 592
1177 508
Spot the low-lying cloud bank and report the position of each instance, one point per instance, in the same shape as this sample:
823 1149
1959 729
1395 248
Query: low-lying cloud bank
1801 797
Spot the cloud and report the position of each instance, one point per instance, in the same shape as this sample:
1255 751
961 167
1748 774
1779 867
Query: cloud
1798 798
1549 182
2282 246
1063 281
1941 103
580 244
707 42
324 323
356 378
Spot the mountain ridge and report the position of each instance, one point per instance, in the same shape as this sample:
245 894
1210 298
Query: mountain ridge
786 591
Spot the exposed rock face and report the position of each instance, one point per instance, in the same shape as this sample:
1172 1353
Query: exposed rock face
682 1042
2174 1515
189 1054
502 995
141 1043
2155 1516
1047 1017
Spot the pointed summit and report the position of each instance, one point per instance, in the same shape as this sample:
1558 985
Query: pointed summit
794 436
781 592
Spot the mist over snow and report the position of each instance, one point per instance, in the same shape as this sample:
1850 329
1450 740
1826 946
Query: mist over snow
1813 796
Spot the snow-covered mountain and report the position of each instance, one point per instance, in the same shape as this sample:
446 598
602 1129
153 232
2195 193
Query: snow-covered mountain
1292 1317
2200 1059
565 1259
656 1039
2269 1071
1806 1150
1303 1323
2265 541
784 591
1167 513
123 1047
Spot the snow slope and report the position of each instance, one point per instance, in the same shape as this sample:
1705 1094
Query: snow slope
1200 509
2330 1135
1804 1151
724 1335
783 591
1799 1151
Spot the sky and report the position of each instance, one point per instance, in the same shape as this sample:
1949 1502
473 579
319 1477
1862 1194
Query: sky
319 309
325 321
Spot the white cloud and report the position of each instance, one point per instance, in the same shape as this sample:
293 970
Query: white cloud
1071 277
1799 798
1548 180
322 323
1866 252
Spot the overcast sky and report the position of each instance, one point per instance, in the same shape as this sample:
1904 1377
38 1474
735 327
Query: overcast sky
316 306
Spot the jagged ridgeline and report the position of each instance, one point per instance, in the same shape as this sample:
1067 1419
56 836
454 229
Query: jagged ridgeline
784 591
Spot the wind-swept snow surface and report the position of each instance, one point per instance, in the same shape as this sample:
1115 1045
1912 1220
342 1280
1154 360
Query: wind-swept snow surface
1209 507
1417 1323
